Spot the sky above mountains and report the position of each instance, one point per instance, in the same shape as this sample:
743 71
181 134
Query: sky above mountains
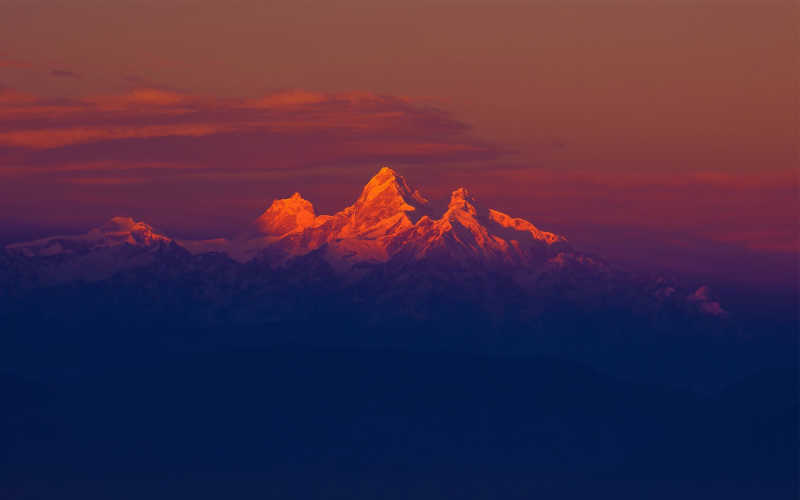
659 133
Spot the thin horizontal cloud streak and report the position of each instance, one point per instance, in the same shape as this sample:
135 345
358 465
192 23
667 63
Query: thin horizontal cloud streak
64 73
282 130
750 209
138 82
14 63
108 181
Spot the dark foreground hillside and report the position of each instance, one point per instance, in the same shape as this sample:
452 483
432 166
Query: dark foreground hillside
297 422
199 377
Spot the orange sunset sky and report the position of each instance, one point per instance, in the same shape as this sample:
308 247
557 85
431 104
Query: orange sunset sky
662 133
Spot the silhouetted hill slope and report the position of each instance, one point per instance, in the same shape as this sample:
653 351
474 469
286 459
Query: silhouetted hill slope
297 422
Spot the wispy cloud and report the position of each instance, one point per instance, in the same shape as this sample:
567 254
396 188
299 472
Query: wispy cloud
139 82
64 73
107 181
6 62
290 129
753 209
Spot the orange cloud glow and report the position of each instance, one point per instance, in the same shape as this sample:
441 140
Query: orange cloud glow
377 123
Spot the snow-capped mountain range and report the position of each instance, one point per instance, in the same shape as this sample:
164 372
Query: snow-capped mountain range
390 241
389 220
116 232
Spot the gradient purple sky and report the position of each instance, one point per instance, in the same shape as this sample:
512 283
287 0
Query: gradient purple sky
661 133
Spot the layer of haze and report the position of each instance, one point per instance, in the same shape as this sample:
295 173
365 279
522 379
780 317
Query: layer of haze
658 132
